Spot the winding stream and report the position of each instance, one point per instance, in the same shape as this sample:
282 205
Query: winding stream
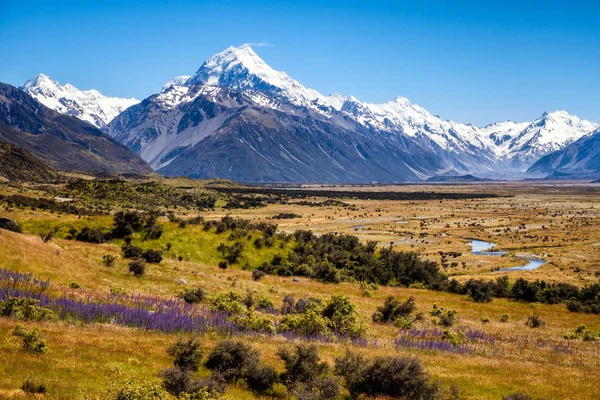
479 247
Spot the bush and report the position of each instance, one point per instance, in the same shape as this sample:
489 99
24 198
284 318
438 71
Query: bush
517 396
138 268
25 309
401 377
252 321
10 225
342 317
257 274
302 364
176 380
186 354
504 318
154 232
307 324
262 378
130 251
443 317
393 309
231 253
535 321
223 264
32 341
127 222
109 260
138 391
152 256
322 388
233 359
91 235
33 387
193 296
230 302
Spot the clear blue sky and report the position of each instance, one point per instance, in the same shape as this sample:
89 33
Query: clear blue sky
471 61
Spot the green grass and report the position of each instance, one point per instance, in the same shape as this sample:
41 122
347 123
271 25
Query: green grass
191 243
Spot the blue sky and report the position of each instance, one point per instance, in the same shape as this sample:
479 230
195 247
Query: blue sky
471 61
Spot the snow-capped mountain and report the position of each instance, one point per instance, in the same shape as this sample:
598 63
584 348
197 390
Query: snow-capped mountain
550 132
88 105
578 160
172 127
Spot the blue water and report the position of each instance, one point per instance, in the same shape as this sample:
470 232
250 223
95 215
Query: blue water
479 247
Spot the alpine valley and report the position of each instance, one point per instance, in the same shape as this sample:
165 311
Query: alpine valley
238 118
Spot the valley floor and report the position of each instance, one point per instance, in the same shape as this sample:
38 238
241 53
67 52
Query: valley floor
556 222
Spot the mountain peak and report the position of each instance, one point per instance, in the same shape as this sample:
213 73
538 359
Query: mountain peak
41 81
88 105
242 69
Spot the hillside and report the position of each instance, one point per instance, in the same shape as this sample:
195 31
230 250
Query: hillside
19 165
64 142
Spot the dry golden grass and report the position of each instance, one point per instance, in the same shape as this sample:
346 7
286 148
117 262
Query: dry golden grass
91 357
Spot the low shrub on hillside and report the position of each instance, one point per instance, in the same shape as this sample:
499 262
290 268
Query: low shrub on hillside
443 317
26 309
393 309
398 377
233 359
31 339
535 321
33 387
187 354
91 235
310 317
193 296
137 268
152 256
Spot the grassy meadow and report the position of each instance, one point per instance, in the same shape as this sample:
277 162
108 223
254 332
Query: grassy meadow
556 223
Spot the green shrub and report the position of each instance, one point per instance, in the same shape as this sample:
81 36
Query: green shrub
393 309
25 309
109 260
230 302
535 321
257 274
233 358
193 296
399 377
262 378
74 285
33 387
130 251
302 364
152 256
187 354
10 225
308 323
91 235
252 321
442 316
137 268
455 338
32 341
321 388
504 318
231 253
517 396
342 317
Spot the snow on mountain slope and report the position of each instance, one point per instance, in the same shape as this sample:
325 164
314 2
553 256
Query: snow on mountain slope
503 149
88 105
242 69
177 81
550 132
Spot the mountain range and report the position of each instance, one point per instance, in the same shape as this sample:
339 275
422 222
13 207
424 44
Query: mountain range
60 141
238 118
